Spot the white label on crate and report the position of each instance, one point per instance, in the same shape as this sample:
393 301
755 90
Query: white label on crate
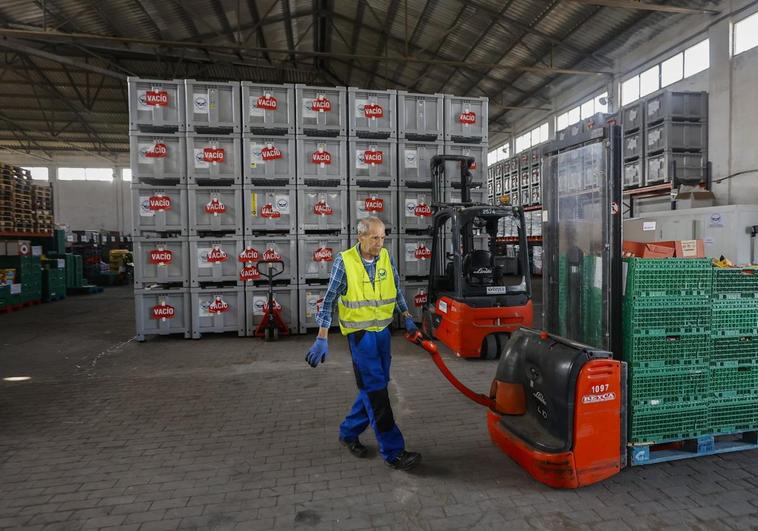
598 283
716 220
707 241
36 250
545 216
199 157
653 137
689 248
61 263
653 106
411 158
359 105
144 207
282 204
256 155
200 102
313 303
648 226
15 289
70 237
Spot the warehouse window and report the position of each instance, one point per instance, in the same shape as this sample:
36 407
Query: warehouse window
536 136
523 142
601 103
697 58
126 175
745 34
630 90
672 70
39 173
562 121
85 174
650 81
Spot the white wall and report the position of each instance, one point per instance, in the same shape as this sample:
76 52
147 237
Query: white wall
84 205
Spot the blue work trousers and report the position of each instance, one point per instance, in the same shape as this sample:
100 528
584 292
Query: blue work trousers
371 363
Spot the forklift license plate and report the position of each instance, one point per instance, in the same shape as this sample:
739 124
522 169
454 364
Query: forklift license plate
496 290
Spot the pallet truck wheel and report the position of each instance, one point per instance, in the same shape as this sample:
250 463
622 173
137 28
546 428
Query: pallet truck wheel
276 334
267 335
490 350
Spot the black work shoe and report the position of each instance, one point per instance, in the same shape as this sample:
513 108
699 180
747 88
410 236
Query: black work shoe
404 460
355 447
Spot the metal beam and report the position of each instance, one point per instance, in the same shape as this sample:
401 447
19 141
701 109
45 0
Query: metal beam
287 28
381 45
253 8
417 28
643 6
354 39
17 46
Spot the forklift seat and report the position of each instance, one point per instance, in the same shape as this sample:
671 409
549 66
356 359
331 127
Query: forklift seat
477 268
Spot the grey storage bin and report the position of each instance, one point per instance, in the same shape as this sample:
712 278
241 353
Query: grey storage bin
214 260
633 174
632 145
525 179
670 105
270 210
466 119
321 161
677 136
322 210
415 255
372 162
372 113
491 188
286 299
536 177
377 202
536 195
415 209
416 296
269 160
271 248
217 310
415 162
420 117
632 117
478 151
478 195
212 106
320 111
316 254
268 109
159 209
162 312
689 167
215 209
499 185
310 303
156 105
161 261
158 158
213 159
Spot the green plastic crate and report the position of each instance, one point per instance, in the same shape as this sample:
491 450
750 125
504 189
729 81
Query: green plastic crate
669 277
562 294
656 424
734 318
671 385
740 350
729 380
735 283
670 316
592 303
666 351
736 414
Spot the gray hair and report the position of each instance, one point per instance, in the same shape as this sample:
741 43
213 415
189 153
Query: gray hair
365 224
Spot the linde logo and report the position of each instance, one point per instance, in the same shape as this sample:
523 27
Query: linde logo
321 157
322 209
158 203
216 255
321 104
422 210
163 311
267 211
422 252
467 117
156 98
373 110
248 255
215 155
270 255
249 273
323 254
267 102
158 151
420 299
374 204
271 153
218 306
482 271
215 207
161 257
373 156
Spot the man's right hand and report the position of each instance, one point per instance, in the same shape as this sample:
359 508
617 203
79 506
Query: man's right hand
318 352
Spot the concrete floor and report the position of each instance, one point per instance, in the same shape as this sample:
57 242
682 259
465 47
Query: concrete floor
227 432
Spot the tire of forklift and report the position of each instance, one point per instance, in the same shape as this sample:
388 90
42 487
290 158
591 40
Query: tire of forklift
426 323
502 340
490 348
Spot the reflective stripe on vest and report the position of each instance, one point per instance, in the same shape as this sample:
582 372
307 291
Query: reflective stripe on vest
366 305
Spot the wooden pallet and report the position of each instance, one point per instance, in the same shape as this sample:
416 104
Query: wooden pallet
648 454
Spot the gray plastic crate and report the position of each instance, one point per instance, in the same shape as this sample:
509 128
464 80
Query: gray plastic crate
322 210
162 312
526 179
415 255
420 117
535 177
212 106
286 299
316 253
415 159
161 261
214 260
633 174
270 210
268 109
536 193
217 310
466 119
491 187
214 209
415 209
158 158
415 292
632 117
372 113
478 195
378 202
632 145
671 105
311 298
321 161
478 151
320 110
498 185
156 105
213 159
689 167
677 136
269 160
159 209
270 248
372 162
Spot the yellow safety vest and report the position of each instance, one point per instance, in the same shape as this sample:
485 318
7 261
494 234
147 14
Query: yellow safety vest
366 305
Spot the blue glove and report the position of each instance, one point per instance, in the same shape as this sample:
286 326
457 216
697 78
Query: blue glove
410 326
318 352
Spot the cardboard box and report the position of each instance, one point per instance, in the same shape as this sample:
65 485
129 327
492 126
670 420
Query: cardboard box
18 248
667 249
694 199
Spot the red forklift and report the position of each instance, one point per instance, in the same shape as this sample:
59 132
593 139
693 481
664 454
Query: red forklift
479 288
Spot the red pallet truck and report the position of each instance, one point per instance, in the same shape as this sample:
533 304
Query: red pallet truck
272 326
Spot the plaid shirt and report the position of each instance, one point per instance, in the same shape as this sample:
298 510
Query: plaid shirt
338 286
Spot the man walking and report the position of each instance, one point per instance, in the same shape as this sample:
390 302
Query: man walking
365 280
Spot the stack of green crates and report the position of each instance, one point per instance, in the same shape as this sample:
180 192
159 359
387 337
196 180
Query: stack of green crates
28 273
53 284
667 326
74 271
734 359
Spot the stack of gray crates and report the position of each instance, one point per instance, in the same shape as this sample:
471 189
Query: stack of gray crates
466 134
157 140
633 145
